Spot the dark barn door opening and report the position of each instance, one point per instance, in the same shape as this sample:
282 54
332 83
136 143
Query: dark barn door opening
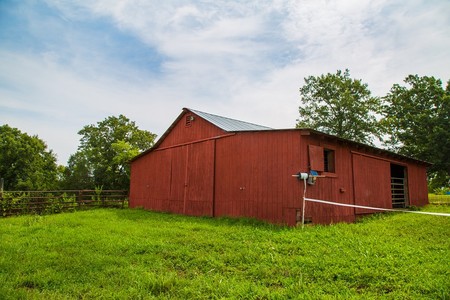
399 186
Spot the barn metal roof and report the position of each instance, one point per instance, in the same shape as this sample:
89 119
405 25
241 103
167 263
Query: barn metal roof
228 124
232 125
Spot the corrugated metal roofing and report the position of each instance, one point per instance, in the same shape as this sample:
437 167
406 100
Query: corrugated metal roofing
228 124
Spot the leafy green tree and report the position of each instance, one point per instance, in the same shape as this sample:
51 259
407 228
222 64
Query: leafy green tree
103 155
78 174
339 105
417 119
25 162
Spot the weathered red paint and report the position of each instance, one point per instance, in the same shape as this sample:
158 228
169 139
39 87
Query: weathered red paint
199 169
418 191
371 181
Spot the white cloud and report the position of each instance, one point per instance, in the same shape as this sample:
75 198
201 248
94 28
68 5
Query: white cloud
242 59
57 100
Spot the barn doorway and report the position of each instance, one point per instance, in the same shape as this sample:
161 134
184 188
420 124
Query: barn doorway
399 186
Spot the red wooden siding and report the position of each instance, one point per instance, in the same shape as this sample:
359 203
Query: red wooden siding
316 161
178 176
137 179
200 179
178 169
418 190
336 186
150 181
178 180
197 130
372 182
160 180
254 176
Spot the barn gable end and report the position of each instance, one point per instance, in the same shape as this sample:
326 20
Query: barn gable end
188 128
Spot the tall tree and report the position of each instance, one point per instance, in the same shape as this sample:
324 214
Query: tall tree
78 173
103 155
417 117
339 105
25 162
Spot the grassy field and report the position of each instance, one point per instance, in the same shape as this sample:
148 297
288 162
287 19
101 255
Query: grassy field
135 254
439 199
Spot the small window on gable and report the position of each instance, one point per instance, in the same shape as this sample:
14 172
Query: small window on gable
189 120
328 161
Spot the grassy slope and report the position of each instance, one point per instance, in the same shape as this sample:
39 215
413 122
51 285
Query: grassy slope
136 254
439 199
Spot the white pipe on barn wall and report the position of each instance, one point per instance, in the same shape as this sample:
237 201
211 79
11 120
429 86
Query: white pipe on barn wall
304 177
304 203
301 176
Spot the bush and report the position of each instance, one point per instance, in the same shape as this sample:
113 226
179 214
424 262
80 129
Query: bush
442 191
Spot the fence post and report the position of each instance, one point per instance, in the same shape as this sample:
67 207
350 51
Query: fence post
1 197
80 195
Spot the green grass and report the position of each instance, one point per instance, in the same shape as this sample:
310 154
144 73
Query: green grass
439 199
136 254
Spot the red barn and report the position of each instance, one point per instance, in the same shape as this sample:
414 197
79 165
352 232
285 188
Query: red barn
207 165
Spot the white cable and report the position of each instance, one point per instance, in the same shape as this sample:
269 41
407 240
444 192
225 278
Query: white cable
304 203
373 208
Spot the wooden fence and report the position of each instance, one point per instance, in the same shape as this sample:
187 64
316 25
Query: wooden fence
47 202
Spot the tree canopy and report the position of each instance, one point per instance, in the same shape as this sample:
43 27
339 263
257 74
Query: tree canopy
103 155
25 161
339 105
417 118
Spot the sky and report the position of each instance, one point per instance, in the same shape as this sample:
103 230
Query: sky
67 64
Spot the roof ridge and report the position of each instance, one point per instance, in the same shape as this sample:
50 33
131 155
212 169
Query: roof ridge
231 124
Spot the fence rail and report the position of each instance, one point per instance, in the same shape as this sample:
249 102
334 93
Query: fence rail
46 202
